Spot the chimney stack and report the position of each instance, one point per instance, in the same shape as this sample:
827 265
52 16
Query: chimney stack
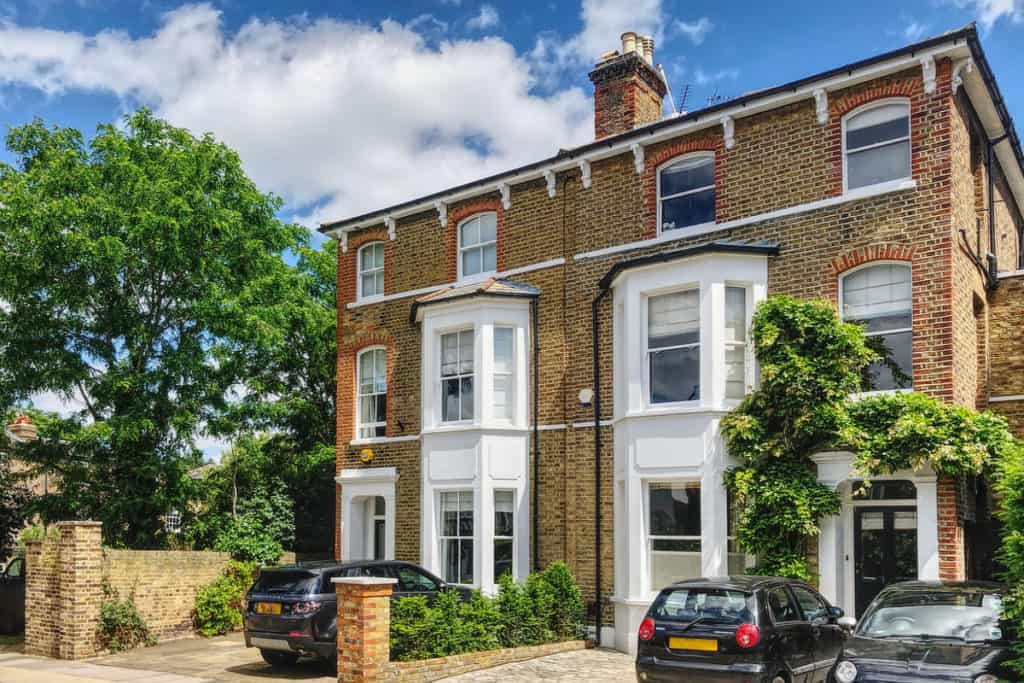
628 91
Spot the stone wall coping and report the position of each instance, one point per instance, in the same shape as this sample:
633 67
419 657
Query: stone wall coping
87 523
364 580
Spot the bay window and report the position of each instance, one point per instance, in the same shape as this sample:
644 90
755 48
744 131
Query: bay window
686 192
504 532
878 297
673 346
372 387
457 536
673 531
457 376
876 143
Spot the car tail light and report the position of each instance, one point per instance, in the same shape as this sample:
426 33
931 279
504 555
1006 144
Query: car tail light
748 635
646 629
305 607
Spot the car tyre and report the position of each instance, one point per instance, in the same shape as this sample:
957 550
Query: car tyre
274 658
779 679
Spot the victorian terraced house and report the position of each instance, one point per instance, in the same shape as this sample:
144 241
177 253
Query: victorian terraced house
534 366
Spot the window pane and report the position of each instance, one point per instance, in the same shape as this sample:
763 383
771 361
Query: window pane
504 503
735 314
879 296
688 174
810 605
502 557
878 165
449 514
735 372
450 401
691 209
897 346
366 257
466 561
490 256
892 489
467 398
673 319
675 375
503 349
488 227
378 255
877 125
673 561
503 396
450 553
378 505
782 606
465 352
378 282
369 284
471 264
674 508
449 354
470 232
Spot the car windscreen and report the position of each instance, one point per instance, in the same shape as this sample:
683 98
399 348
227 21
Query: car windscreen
709 605
287 582
971 616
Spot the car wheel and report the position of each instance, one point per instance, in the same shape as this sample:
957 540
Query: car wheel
779 679
278 658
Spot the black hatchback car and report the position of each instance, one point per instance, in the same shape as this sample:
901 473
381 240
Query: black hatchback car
739 629
930 631
292 610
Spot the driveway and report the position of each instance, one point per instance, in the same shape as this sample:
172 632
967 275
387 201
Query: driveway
592 666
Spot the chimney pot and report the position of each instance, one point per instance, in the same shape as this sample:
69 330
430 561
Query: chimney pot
648 44
629 42
628 91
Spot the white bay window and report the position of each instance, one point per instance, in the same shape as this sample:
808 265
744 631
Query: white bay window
673 346
457 376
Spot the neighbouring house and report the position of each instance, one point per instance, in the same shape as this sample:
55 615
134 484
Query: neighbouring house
472 323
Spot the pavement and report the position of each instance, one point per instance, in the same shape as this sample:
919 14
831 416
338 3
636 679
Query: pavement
226 659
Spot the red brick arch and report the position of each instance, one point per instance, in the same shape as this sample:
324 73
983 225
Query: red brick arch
707 143
860 256
461 212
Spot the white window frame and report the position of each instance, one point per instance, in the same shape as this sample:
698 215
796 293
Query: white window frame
842 316
483 274
474 374
360 272
645 302
359 395
474 537
496 537
745 344
696 227
374 518
651 538
909 138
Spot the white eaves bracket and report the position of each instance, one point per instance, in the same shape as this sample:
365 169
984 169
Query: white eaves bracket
638 157
506 195
585 170
729 131
928 72
389 223
442 213
549 178
821 105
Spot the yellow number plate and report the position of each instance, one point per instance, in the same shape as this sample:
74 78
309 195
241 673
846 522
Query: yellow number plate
268 608
702 644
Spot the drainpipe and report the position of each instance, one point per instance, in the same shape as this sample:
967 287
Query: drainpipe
993 263
536 433
594 338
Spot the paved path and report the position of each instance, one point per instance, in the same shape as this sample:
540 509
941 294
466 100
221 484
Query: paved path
15 668
593 666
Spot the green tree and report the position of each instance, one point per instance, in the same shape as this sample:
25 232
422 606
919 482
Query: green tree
135 269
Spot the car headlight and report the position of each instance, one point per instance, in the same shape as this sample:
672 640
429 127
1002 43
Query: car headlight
846 672
986 678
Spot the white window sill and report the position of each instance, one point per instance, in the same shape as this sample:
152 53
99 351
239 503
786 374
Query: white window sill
370 299
881 392
382 439
687 231
476 278
880 188
676 409
475 427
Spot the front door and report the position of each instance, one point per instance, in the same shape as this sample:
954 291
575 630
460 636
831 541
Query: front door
885 550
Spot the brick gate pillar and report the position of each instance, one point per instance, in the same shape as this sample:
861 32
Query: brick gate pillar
81 590
364 627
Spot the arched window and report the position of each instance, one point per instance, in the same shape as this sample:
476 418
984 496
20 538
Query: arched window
878 297
372 388
371 270
478 245
686 192
876 144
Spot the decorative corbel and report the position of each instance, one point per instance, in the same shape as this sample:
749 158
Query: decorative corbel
506 195
638 157
959 69
389 223
729 129
928 69
821 105
549 178
442 213
585 170
344 241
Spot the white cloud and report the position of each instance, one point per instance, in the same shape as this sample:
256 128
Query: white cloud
696 31
487 18
345 116
914 30
703 77
988 12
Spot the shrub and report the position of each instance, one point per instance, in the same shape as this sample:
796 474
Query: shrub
219 605
248 540
567 609
121 626
1010 489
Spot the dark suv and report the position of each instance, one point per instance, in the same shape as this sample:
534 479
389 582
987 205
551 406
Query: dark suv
292 610
752 629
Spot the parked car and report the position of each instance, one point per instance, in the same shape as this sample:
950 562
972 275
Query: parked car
292 610
753 629
929 631
12 597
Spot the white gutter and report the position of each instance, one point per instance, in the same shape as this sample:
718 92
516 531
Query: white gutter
955 50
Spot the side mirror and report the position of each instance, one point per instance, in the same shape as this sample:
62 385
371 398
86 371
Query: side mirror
849 623
835 612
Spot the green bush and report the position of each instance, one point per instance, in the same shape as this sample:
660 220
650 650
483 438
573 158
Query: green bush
546 608
248 540
1010 489
121 626
219 605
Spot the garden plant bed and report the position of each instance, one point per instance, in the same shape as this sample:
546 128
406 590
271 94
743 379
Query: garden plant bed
424 670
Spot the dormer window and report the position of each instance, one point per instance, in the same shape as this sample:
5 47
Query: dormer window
371 270
478 245
876 144
686 192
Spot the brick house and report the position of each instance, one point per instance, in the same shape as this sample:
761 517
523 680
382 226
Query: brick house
472 435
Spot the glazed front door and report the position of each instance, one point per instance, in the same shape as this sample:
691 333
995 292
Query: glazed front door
885 550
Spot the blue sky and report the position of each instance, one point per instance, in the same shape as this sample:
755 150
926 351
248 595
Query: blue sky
343 107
